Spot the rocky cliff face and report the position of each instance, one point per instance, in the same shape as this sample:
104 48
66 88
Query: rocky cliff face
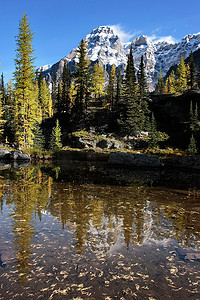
105 47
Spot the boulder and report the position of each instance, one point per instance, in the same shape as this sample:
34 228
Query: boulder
132 159
4 153
18 155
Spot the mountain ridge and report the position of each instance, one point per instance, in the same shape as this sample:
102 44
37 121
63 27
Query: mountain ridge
105 47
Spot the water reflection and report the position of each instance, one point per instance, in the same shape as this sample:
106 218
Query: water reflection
91 220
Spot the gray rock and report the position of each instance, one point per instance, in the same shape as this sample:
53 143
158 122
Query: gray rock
18 155
137 160
4 153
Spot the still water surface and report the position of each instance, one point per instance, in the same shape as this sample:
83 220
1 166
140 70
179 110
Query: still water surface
61 239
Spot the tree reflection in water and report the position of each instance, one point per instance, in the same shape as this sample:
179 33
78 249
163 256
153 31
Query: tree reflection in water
98 216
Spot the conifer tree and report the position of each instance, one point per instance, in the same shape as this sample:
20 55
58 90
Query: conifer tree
2 121
143 94
54 93
3 90
130 113
194 118
72 95
191 82
39 141
83 80
45 100
119 87
192 148
24 74
142 81
198 76
110 95
66 83
172 83
181 77
160 85
98 81
153 140
55 142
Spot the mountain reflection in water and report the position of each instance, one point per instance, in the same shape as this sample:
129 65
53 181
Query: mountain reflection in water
61 239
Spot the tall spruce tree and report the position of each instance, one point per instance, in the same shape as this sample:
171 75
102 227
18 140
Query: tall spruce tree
3 91
160 85
66 83
54 93
143 94
191 82
110 95
198 76
181 77
55 142
45 100
119 88
130 114
82 80
98 81
26 106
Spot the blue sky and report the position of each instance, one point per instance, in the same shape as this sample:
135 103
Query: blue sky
59 26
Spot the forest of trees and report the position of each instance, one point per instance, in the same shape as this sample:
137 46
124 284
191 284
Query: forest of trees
28 101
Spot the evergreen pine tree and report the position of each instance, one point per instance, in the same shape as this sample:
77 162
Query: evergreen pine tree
181 77
24 74
45 100
160 85
119 88
130 113
110 95
192 148
39 141
66 83
55 142
98 81
198 76
54 93
3 91
82 80
142 81
2 121
143 94
191 82
191 117
194 118
172 83
153 140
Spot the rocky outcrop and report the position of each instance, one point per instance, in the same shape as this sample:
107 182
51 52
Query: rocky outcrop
90 140
13 155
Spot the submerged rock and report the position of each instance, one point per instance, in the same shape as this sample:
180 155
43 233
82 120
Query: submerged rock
132 159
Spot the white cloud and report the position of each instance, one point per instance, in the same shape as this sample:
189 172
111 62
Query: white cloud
123 34
157 39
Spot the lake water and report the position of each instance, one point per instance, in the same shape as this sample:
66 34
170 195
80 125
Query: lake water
72 236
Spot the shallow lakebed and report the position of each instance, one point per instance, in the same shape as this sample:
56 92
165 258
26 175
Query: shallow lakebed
74 236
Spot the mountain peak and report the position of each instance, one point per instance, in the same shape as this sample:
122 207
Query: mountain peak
104 46
103 29
141 40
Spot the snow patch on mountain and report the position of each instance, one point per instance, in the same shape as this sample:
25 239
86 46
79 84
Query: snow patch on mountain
105 47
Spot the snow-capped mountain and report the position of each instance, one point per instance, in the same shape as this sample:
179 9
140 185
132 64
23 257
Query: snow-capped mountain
105 47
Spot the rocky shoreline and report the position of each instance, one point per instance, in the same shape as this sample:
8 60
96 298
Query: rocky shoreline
118 159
